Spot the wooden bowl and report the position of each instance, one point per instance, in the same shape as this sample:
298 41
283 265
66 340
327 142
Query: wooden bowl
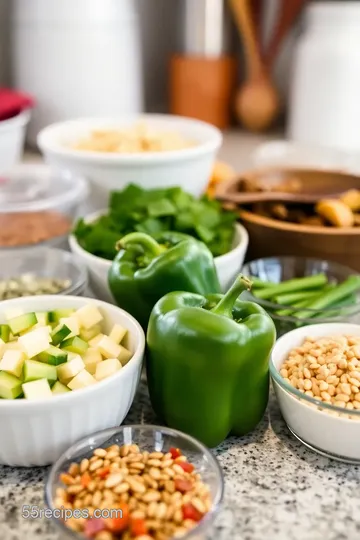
270 237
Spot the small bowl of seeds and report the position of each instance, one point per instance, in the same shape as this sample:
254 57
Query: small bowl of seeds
40 271
316 376
135 482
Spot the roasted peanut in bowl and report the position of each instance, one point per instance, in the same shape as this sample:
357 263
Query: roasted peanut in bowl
69 366
141 481
316 376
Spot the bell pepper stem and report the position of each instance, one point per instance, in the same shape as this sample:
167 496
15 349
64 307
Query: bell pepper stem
226 304
150 246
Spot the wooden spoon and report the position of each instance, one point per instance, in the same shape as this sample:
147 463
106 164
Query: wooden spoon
289 11
256 102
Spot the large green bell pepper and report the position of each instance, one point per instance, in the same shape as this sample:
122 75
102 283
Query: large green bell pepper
146 269
207 363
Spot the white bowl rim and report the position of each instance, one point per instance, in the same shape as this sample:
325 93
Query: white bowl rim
294 392
83 392
46 144
222 259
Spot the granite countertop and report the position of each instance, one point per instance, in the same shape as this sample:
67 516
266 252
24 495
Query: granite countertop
275 488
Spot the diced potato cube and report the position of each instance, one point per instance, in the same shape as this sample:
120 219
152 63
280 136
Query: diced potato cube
92 332
69 370
108 348
107 368
35 342
88 316
95 341
91 358
81 380
12 362
14 346
124 355
39 389
117 333
12 313
2 347
72 323
72 355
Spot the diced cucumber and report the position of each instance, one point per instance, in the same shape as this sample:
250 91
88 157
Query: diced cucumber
60 388
68 371
88 316
72 323
60 333
2 347
34 370
81 380
22 322
117 333
89 334
75 344
43 318
39 389
106 368
55 316
12 362
5 332
10 386
36 341
53 356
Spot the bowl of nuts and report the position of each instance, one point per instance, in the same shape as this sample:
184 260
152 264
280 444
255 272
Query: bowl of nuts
316 377
139 481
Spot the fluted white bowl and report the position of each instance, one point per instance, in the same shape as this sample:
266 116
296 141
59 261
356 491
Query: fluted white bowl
36 433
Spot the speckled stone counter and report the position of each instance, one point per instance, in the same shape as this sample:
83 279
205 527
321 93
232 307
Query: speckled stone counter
275 489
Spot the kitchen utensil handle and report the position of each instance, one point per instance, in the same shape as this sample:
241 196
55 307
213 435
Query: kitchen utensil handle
289 11
244 22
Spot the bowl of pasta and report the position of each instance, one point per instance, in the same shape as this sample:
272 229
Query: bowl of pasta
151 150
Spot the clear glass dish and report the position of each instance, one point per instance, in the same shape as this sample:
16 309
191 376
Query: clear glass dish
277 269
150 438
38 206
45 262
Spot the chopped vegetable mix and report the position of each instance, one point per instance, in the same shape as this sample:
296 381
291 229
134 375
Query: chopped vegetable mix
153 212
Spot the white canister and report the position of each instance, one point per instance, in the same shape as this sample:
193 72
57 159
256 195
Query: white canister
78 58
325 88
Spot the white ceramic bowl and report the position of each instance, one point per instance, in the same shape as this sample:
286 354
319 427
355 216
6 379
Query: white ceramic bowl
228 266
335 435
189 168
38 432
12 139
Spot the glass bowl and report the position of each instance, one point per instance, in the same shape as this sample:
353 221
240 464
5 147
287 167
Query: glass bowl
152 439
38 206
45 262
277 269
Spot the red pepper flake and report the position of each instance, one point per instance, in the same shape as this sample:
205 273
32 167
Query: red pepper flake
104 472
183 485
190 512
93 526
187 467
138 527
175 452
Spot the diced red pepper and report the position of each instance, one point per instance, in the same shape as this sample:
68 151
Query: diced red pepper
104 472
119 524
138 527
183 485
85 479
190 512
187 467
175 452
93 526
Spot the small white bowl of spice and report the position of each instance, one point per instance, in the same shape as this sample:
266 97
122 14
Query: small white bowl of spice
39 271
316 376
38 206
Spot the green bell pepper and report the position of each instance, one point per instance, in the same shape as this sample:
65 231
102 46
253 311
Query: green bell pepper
146 269
207 363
